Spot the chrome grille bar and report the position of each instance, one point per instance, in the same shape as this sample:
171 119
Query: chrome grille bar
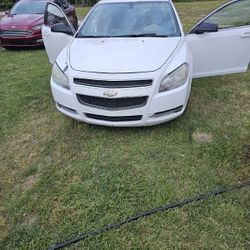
15 33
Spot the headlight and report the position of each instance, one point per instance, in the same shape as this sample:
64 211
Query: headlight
59 77
175 79
37 27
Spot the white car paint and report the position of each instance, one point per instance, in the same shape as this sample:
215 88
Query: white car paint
54 51
219 63
97 51
129 59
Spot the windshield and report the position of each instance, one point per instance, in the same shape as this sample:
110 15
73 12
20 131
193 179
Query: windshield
28 7
131 19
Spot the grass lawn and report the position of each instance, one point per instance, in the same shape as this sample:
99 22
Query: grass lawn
60 177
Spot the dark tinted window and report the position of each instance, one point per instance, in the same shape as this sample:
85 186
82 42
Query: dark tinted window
54 15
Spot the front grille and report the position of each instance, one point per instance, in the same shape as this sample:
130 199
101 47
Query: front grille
15 33
115 118
113 84
114 103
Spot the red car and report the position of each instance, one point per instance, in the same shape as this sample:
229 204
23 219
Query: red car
21 27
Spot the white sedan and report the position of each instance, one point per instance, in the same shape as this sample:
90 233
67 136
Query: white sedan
130 63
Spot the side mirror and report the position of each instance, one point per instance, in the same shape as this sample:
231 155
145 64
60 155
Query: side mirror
205 27
61 28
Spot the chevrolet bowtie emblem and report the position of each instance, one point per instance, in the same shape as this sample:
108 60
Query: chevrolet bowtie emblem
110 93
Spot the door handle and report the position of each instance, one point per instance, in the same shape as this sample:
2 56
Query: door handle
245 35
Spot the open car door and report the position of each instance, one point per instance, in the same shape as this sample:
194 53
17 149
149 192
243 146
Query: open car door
220 43
57 31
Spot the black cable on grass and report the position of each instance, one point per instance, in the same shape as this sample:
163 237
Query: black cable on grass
138 216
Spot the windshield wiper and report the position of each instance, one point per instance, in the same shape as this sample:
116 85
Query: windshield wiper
77 36
130 35
142 35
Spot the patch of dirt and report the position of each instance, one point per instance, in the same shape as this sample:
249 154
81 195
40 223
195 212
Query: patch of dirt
30 181
202 137
29 220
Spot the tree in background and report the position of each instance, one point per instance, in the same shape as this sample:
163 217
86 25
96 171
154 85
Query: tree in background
6 4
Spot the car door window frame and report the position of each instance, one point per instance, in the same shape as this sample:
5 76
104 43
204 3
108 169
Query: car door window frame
61 10
215 11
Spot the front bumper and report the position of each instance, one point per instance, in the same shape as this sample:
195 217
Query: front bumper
27 41
160 107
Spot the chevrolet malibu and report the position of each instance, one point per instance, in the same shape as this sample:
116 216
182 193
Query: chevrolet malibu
130 64
21 27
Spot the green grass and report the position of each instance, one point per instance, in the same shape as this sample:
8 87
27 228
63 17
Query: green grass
82 12
60 177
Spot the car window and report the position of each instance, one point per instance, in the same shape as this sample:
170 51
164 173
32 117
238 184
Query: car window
28 7
62 3
54 15
131 19
233 15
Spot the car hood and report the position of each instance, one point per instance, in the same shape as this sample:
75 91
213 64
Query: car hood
121 55
21 20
